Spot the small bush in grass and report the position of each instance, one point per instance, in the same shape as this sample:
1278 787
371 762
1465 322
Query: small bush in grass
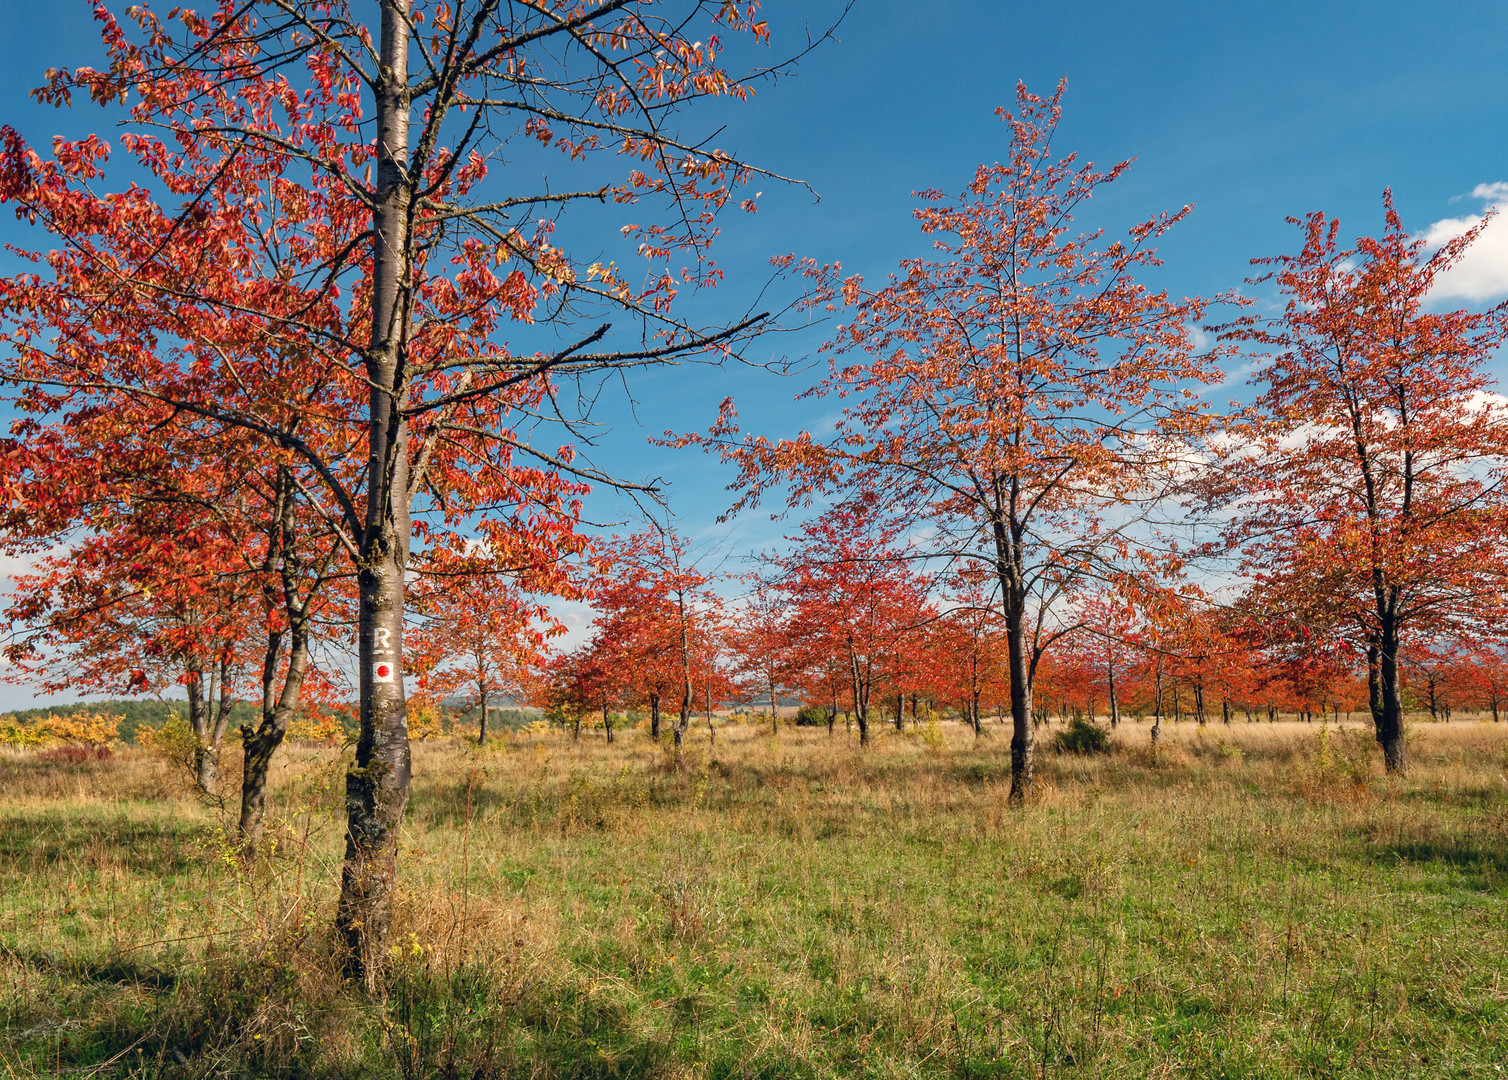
1082 736
811 716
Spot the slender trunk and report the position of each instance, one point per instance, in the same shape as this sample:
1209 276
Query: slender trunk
900 711
481 734
1390 729
377 783
774 714
1157 705
711 731
654 717
1199 716
206 759
1115 708
1225 710
859 686
222 711
607 722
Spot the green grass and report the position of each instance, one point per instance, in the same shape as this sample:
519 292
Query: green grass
1248 902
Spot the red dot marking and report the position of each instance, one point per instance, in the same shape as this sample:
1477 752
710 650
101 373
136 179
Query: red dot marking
383 670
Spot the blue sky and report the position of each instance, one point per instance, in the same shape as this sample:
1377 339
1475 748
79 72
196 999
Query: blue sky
1252 112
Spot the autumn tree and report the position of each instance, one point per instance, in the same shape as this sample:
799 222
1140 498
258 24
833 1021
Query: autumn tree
964 644
1023 391
168 552
343 187
1370 495
853 598
481 632
762 643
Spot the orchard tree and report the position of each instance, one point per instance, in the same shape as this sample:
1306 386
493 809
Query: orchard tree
481 632
762 643
166 551
330 202
1370 495
1023 391
853 598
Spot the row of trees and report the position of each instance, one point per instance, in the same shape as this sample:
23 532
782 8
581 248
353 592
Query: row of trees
848 621
293 421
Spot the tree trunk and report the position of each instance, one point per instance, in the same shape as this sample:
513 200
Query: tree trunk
377 784
1157 705
1115 708
481 734
900 711
259 746
654 717
1225 710
1199 716
206 753
1022 736
711 731
607 723
1390 727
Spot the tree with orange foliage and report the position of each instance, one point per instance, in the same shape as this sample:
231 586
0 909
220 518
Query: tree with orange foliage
321 202
480 632
854 599
1020 391
1371 494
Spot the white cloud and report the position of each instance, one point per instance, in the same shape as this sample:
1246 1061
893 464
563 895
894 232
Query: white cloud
1482 273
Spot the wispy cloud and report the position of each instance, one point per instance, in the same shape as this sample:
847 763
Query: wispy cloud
1482 273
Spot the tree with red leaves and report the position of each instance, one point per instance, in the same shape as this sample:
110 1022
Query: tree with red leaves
1370 497
1023 390
481 634
329 236
854 598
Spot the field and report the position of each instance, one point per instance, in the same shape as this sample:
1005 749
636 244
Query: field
1254 900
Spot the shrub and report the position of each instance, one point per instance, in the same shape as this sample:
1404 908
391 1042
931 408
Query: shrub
811 716
1082 736
52 730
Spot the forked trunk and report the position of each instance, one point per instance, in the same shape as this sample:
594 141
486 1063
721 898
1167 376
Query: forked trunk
259 746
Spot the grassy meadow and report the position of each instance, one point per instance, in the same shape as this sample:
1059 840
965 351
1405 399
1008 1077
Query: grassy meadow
1247 901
